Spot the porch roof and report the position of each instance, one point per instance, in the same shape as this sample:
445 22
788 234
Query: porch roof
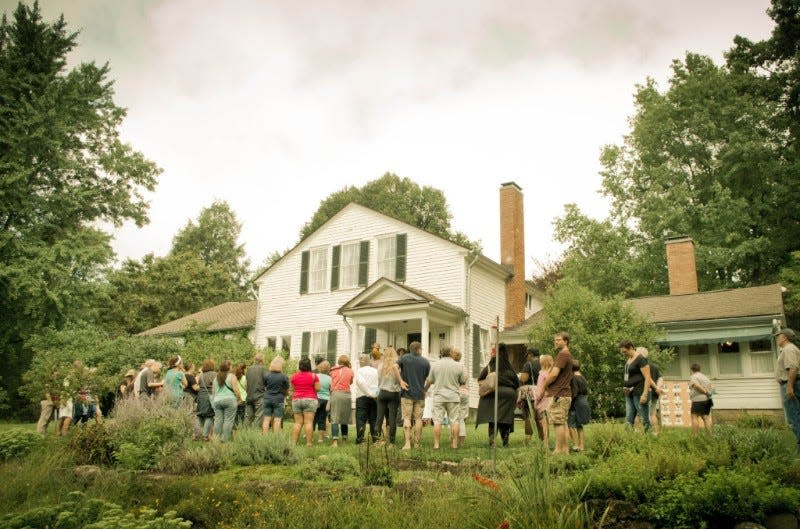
385 293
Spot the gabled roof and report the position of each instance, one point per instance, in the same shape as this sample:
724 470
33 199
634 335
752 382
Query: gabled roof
485 260
519 332
765 301
387 293
225 317
717 304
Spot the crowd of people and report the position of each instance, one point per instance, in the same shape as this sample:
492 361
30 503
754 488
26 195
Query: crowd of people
392 390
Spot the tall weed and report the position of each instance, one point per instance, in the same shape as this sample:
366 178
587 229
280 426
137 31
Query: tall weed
532 499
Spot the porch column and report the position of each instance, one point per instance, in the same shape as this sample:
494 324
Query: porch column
425 331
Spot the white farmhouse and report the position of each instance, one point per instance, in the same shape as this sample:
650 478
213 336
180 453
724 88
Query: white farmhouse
365 277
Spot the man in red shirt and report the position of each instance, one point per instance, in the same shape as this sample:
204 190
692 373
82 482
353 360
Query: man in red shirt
559 386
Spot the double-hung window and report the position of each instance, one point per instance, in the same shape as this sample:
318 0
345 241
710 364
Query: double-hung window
319 343
387 256
349 265
762 357
318 271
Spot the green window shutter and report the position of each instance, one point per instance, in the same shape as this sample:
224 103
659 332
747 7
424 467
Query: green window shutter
332 346
476 351
337 250
304 259
305 346
400 267
370 336
363 264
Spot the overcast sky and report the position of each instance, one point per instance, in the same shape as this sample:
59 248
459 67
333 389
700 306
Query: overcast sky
273 105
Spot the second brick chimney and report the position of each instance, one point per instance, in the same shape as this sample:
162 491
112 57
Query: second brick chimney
681 267
512 250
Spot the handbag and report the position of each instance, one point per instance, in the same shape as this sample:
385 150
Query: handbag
486 386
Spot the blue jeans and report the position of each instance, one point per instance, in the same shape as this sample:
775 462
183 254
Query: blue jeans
204 425
634 407
224 417
335 430
792 409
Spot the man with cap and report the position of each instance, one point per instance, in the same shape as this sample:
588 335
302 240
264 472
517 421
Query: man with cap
786 374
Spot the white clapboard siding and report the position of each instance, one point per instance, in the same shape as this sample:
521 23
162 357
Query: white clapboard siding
487 293
747 393
432 264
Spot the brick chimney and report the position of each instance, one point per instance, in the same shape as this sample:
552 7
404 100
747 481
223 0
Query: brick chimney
512 250
681 266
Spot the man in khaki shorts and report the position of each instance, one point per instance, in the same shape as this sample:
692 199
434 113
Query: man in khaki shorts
447 376
414 369
559 386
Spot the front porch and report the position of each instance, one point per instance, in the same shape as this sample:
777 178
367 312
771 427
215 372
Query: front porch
393 314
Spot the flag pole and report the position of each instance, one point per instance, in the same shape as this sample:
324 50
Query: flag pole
496 387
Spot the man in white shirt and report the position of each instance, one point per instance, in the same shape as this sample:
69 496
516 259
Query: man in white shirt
366 399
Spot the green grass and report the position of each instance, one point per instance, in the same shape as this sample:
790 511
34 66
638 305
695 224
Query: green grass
5 426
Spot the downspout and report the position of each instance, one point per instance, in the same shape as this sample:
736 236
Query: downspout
468 295
353 361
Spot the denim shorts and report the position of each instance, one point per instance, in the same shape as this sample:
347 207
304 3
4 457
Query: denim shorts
273 409
304 406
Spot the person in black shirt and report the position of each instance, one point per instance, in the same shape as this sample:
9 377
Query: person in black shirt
579 413
637 378
655 390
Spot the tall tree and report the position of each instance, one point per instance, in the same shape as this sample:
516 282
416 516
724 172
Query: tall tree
214 239
63 169
705 158
776 59
424 207
205 267
596 325
145 294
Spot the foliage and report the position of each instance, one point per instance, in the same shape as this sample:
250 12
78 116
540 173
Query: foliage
92 444
104 360
596 326
214 239
720 498
252 447
147 430
88 358
247 448
378 465
63 171
777 60
790 278
268 495
424 207
531 499
760 421
707 158
334 467
18 442
156 290
79 511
